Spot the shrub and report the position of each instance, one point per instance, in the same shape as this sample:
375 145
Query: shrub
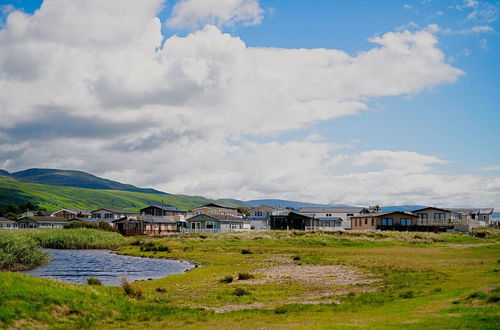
245 276
93 281
129 290
152 247
246 251
296 258
226 279
239 292
407 295
20 252
477 294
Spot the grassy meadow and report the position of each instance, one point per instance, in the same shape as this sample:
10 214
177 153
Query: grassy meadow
282 280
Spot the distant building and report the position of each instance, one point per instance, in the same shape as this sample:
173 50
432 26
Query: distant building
71 214
41 222
341 214
216 209
167 212
144 226
108 215
397 220
7 223
216 223
485 214
259 217
433 216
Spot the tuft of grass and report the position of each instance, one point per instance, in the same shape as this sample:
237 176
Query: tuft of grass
245 276
240 292
226 279
130 290
73 239
160 290
93 281
154 247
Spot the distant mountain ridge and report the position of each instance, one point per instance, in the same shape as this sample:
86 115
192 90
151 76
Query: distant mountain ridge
72 178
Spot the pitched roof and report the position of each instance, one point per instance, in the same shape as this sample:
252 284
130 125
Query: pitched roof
75 211
37 218
263 205
217 205
164 208
218 217
2 219
115 211
381 214
432 207
353 209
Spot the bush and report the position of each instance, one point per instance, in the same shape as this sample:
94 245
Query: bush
239 292
20 252
152 247
245 276
226 279
246 251
129 290
93 281
407 295
296 258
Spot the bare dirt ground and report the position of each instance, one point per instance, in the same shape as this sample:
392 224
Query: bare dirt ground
322 282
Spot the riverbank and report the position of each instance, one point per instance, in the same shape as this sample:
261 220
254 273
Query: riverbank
282 280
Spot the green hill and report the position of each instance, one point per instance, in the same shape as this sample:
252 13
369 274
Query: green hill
55 197
71 178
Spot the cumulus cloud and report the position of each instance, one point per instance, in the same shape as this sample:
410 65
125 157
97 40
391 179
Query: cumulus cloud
101 93
192 14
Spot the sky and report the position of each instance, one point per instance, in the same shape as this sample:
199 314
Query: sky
341 102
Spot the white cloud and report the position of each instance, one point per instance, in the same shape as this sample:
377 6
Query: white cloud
193 14
473 30
184 118
491 168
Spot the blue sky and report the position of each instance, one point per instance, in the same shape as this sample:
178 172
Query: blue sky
456 122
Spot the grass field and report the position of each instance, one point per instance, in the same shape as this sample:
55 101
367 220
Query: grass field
282 280
55 197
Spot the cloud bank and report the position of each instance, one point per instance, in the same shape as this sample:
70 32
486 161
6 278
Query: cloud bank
89 85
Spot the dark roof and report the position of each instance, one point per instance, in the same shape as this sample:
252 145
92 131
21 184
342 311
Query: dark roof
468 211
37 218
217 205
218 217
434 208
353 209
2 219
115 211
380 214
329 218
164 208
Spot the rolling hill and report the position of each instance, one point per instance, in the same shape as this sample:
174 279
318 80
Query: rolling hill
52 198
70 178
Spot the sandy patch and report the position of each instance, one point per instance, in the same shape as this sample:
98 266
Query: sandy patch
322 282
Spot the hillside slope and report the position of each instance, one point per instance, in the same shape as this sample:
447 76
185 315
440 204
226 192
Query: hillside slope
54 197
77 179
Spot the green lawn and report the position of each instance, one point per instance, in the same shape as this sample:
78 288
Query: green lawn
301 280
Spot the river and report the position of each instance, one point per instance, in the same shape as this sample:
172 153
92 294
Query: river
78 265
